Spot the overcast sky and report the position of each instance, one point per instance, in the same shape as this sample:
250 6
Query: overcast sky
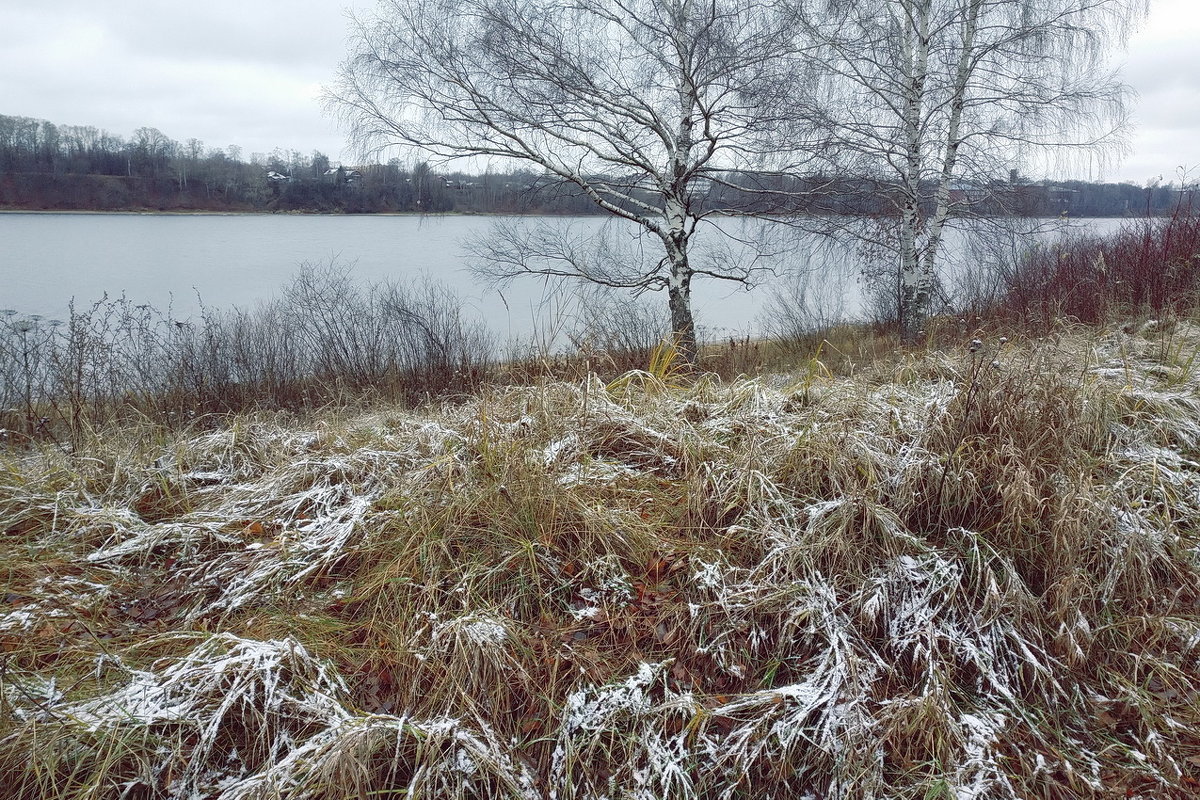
249 73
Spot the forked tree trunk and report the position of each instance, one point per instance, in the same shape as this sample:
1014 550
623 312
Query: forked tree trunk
949 155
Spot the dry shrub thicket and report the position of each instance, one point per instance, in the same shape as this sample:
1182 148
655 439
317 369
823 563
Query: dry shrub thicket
325 339
970 573
1149 266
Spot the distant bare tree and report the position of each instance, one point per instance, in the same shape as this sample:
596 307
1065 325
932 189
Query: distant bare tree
935 103
644 105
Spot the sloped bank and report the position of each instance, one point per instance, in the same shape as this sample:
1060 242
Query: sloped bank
974 574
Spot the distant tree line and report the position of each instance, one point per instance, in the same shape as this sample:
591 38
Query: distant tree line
45 166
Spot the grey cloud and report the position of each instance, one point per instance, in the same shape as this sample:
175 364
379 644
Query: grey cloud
226 72
242 71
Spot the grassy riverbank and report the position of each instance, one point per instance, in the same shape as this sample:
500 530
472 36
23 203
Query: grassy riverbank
959 573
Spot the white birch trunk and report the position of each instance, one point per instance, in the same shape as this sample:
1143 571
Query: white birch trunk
970 27
914 295
675 230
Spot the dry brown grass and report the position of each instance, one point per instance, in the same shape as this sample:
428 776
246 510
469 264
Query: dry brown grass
960 573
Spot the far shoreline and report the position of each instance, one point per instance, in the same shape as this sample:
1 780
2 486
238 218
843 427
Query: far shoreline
302 213
214 213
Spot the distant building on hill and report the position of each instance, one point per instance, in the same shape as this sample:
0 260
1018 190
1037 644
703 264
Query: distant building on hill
343 175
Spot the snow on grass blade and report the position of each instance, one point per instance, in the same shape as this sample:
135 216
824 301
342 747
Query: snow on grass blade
958 578
442 758
227 709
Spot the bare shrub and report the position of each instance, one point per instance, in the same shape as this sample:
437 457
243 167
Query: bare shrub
324 339
618 328
1151 266
800 305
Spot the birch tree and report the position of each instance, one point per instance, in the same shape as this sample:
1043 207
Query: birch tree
935 102
641 104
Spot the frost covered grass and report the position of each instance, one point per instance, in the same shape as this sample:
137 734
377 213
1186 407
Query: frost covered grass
971 573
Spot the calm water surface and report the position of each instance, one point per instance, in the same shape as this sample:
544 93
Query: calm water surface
225 260
46 260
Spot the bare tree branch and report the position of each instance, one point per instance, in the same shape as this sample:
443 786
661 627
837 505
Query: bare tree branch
644 105
941 101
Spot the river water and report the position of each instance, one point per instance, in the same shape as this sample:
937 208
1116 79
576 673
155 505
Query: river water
177 262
